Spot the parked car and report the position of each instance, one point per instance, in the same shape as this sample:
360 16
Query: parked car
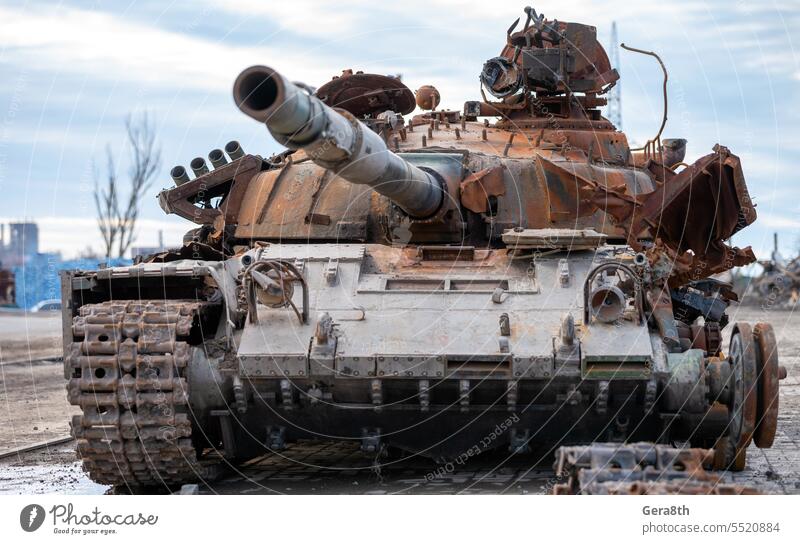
49 305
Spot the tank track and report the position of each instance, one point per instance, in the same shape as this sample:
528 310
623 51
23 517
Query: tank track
640 469
127 366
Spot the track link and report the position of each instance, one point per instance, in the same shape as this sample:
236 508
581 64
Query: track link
127 364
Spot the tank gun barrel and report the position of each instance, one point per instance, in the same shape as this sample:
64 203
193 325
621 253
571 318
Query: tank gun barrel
336 140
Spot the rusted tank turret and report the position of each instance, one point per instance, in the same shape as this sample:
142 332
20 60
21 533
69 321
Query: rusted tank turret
425 279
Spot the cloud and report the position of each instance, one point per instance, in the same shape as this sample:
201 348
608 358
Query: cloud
448 17
303 17
109 47
775 221
71 235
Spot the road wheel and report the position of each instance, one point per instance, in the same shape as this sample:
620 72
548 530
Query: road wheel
743 408
768 380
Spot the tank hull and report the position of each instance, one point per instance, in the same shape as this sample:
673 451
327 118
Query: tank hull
389 347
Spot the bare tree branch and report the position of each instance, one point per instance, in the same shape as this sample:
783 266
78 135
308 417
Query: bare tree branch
145 161
105 201
117 220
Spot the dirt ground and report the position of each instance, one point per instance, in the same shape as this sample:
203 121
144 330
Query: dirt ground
33 403
25 336
33 408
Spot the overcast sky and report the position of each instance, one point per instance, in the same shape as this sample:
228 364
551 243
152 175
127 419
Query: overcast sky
72 71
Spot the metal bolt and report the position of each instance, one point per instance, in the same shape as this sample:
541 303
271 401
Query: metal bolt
508 144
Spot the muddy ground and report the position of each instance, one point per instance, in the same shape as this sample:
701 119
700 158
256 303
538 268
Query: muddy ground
33 408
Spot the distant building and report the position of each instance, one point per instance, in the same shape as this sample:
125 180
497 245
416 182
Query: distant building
21 245
27 276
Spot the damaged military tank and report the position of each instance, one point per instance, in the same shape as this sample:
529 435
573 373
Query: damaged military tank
419 282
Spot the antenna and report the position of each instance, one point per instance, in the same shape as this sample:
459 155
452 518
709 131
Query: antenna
615 94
